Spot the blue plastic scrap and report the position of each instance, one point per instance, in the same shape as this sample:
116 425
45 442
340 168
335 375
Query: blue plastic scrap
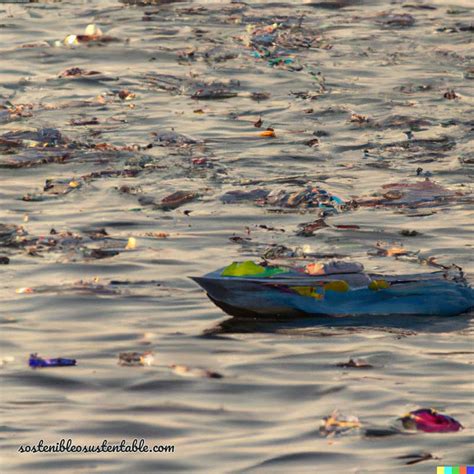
36 362
337 289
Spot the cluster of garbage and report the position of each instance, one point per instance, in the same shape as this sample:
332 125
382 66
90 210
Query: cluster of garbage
125 359
427 420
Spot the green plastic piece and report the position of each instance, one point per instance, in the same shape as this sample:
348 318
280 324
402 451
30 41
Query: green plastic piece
249 268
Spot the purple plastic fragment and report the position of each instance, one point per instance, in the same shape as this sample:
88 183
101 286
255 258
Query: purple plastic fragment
35 362
430 421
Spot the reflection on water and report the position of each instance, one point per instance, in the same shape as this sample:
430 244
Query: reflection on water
327 326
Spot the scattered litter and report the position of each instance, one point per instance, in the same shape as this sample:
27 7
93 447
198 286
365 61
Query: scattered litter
187 371
212 91
157 235
84 122
269 132
430 421
396 20
131 244
41 137
412 459
337 423
360 119
409 233
355 364
309 228
313 142
177 199
36 362
309 197
451 95
92 34
420 193
77 72
125 94
259 96
384 250
21 291
173 139
136 359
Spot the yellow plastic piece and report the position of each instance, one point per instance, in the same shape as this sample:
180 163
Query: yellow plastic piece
93 30
337 285
307 291
379 285
131 244
71 40
243 269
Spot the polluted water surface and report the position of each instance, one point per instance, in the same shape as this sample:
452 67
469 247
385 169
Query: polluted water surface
319 153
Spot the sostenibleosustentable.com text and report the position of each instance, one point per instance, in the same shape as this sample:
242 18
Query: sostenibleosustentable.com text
124 446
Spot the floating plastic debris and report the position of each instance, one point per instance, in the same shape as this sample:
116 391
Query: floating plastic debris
269 132
92 34
37 362
6 360
125 94
77 72
416 458
22 291
337 423
430 421
186 371
177 199
355 364
40 138
308 198
250 290
131 244
418 194
396 20
136 359
384 250
309 228
213 91
164 138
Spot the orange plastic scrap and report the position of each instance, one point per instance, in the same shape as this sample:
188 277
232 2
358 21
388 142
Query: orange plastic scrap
315 269
395 251
269 132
